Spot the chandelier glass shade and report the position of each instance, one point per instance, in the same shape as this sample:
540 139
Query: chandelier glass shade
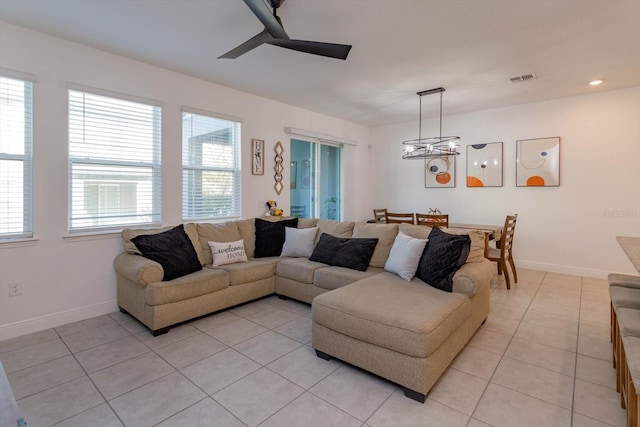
435 146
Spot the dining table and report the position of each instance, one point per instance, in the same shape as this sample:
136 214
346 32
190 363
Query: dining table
492 232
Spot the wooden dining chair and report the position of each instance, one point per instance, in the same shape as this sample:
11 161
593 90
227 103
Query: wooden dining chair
432 220
380 215
396 218
503 253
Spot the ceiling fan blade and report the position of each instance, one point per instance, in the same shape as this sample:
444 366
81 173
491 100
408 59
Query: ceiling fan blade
262 12
331 50
253 42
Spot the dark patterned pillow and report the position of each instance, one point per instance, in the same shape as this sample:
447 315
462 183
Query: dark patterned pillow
343 252
172 249
270 236
442 257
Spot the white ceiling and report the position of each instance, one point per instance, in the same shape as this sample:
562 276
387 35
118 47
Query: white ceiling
400 47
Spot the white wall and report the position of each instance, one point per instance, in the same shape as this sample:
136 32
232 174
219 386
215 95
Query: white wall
67 279
569 229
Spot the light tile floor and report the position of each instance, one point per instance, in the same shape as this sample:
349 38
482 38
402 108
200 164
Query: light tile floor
543 358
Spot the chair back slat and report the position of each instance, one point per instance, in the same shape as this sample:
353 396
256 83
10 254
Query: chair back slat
433 220
380 215
396 218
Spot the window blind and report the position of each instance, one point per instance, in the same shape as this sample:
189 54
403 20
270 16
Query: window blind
210 167
114 162
16 141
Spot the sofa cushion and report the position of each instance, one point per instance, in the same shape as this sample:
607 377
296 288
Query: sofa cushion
228 252
472 277
189 228
299 242
334 228
337 277
387 311
344 252
416 231
183 288
247 230
307 222
385 233
476 251
221 232
172 249
270 236
251 271
298 269
443 256
405 255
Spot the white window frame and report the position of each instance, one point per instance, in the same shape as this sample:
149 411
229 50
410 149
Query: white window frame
190 207
26 158
154 165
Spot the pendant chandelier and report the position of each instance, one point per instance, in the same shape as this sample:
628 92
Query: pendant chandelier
435 146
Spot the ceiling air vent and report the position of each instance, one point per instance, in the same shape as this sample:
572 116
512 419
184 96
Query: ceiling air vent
523 78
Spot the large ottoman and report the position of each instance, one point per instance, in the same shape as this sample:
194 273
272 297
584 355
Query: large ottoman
406 332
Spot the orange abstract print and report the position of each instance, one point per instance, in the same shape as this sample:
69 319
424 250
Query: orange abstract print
535 181
472 181
443 178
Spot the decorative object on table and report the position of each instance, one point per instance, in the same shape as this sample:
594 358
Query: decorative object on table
484 165
257 157
435 211
273 209
278 168
538 162
293 173
440 172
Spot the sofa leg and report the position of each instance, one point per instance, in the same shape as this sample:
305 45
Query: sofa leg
322 355
122 310
419 397
160 331
283 297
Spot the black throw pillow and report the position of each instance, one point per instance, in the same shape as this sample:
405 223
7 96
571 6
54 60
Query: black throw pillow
270 236
442 257
343 252
172 249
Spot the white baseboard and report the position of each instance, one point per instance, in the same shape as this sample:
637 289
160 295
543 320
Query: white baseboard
563 269
41 323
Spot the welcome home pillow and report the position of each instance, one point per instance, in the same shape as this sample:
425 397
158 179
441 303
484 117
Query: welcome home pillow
172 249
228 252
405 256
299 242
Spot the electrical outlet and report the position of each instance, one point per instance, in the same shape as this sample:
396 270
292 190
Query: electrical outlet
15 289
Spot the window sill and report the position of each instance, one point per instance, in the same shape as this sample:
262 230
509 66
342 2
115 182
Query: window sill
81 237
17 243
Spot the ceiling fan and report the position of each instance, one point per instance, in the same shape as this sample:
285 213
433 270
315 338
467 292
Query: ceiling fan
274 34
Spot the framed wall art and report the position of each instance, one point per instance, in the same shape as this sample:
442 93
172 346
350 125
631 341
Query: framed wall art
484 165
538 162
257 157
440 172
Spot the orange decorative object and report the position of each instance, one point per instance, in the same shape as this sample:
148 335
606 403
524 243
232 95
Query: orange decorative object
472 181
443 178
535 181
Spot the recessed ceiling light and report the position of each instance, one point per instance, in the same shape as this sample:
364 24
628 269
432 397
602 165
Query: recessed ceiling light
595 82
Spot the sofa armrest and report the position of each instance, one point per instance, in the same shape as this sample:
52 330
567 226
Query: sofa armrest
138 269
472 277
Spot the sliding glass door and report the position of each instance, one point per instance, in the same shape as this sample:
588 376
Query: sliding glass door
316 180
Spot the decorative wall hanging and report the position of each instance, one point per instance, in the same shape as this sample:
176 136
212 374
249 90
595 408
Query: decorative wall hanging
257 157
484 165
440 172
278 168
538 162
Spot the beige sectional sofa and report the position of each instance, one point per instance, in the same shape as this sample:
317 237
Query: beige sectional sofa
405 331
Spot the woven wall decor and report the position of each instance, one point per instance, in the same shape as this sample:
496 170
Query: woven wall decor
278 168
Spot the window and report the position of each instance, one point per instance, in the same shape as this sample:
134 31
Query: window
16 135
114 162
210 167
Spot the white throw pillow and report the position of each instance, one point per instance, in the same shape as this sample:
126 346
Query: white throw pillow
299 242
228 252
405 256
